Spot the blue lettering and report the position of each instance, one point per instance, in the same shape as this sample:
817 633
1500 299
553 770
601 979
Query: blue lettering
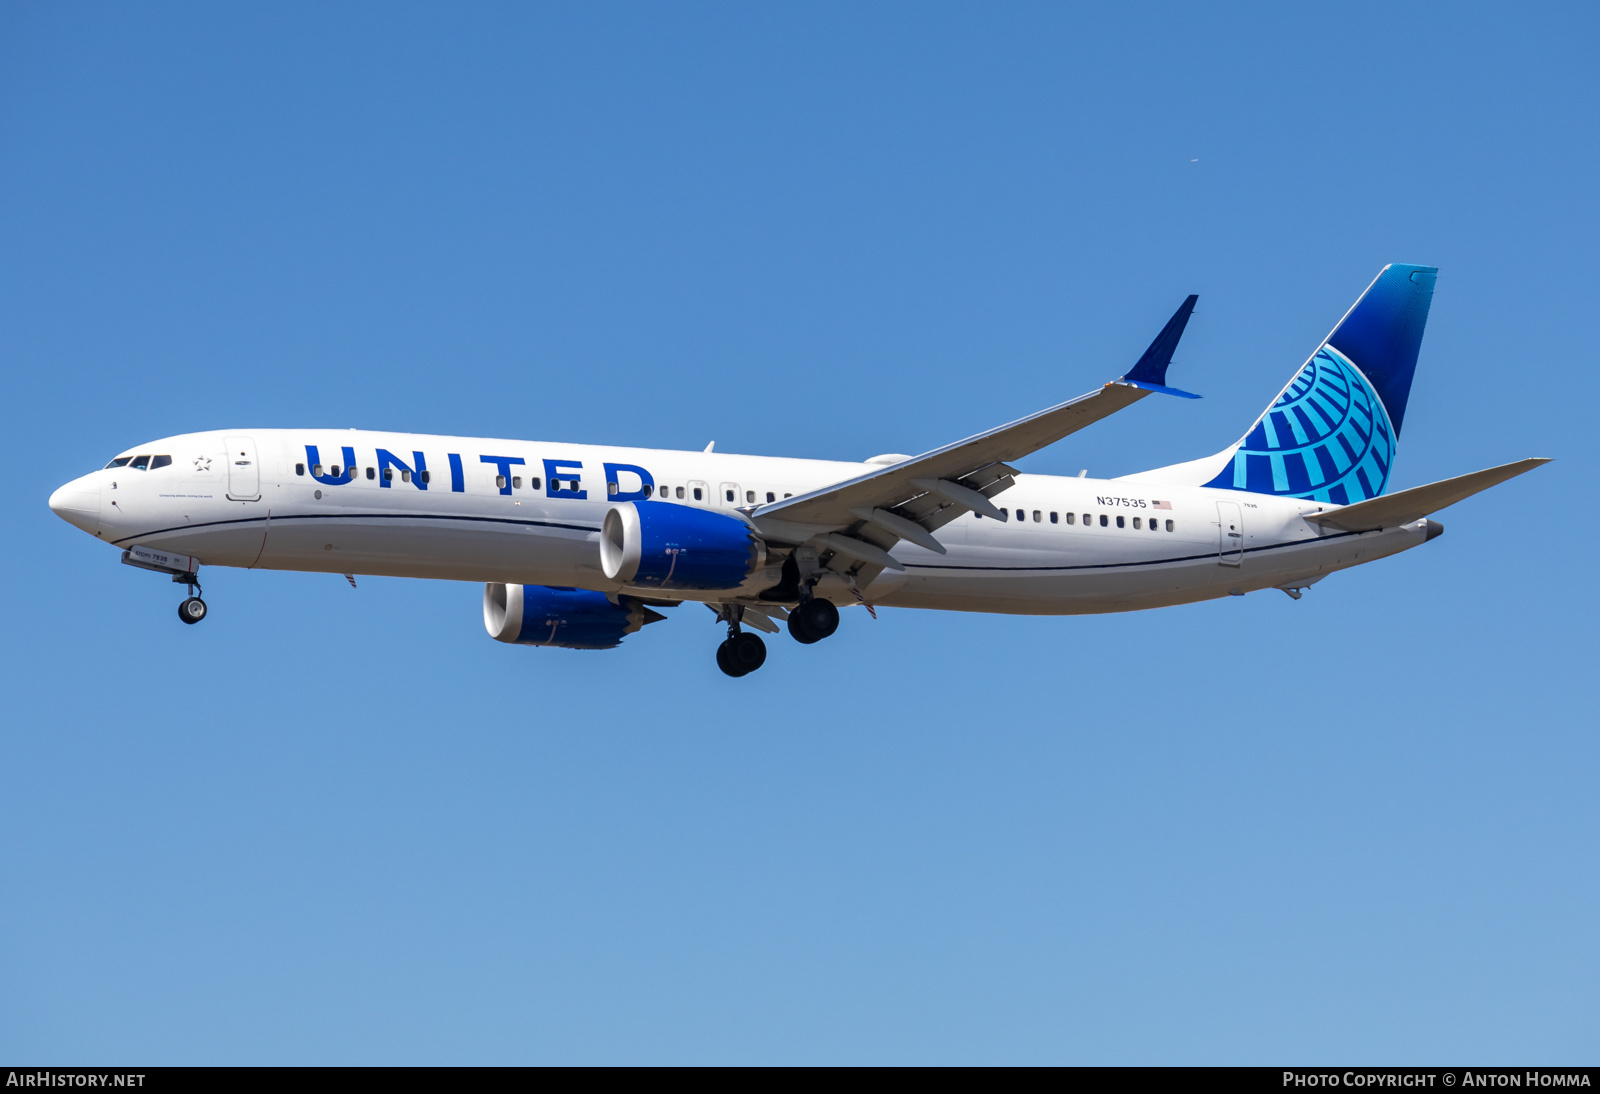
386 459
647 484
553 476
458 478
504 464
314 461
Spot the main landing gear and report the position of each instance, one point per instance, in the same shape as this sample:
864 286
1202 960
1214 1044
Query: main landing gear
814 620
741 653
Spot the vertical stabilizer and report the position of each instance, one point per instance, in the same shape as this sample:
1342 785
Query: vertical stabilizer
1331 433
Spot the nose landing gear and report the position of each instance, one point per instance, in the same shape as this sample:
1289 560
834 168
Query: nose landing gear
184 570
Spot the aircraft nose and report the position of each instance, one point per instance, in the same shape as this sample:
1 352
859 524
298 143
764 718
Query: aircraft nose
78 503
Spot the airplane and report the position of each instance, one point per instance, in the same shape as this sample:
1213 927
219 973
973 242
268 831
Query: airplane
579 545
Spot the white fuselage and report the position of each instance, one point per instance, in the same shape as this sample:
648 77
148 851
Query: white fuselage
1069 545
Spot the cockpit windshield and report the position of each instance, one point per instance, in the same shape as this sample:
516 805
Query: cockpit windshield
118 462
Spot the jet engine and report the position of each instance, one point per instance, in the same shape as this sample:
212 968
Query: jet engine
547 615
659 545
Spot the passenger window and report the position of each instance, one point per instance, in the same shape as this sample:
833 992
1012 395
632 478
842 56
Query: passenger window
666 490
1169 526
1037 518
140 463
1087 520
771 497
1054 519
120 461
788 495
1136 523
1120 523
372 473
1005 514
316 470
533 483
160 461
1103 520
1072 518
680 493
299 469
729 494
697 494
405 476
334 470
749 495
1155 525
611 488
499 482
516 482
388 474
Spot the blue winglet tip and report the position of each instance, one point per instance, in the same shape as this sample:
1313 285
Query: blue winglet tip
1152 367
1159 389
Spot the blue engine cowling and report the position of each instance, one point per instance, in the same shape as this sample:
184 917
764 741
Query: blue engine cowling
547 615
660 545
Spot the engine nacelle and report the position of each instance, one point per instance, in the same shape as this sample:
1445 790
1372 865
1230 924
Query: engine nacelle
659 545
546 615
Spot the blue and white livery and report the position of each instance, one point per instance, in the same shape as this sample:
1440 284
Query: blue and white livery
578 546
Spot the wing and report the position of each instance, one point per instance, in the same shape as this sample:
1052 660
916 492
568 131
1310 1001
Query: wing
863 517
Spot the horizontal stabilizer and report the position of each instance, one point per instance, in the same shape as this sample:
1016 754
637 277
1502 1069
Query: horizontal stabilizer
1393 510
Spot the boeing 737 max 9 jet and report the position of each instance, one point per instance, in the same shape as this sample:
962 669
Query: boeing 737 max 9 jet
578 545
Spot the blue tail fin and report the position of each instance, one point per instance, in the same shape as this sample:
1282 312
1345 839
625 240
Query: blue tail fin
1331 435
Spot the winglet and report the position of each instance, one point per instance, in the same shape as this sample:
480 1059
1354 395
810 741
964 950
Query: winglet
1150 372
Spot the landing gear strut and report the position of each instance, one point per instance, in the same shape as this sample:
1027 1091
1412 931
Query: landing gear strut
741 653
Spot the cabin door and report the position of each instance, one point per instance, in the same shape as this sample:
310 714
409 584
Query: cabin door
1230 533
244 472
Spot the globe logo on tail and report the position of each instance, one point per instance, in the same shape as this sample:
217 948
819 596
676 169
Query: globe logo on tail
1327 438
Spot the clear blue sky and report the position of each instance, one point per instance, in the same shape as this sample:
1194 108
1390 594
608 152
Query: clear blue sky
341 826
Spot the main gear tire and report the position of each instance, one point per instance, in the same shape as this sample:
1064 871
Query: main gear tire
747 651
814 620
725 659
192 610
